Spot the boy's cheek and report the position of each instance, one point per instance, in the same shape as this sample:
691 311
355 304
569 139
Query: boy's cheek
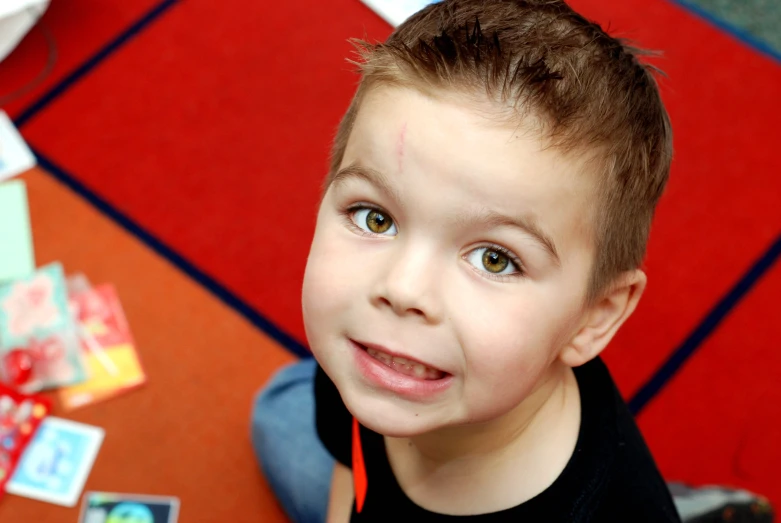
497 367
320 293
509 348
327 287
327 291
495 386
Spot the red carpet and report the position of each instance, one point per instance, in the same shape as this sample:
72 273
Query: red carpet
80 28
211 130
720 420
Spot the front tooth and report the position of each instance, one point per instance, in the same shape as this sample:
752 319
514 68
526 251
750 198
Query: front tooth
400 361
417 369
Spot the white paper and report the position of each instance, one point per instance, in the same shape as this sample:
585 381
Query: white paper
15 156
396 11
16 19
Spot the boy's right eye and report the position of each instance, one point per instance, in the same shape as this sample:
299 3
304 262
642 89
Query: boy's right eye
373 221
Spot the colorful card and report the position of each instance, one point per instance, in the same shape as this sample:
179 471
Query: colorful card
396 11
105 507
17 259
57 462
38 335
20 417
77 283
107 346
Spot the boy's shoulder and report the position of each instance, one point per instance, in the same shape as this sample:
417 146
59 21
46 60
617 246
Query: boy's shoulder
610 477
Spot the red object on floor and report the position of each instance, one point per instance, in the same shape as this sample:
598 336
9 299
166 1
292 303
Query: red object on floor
17 367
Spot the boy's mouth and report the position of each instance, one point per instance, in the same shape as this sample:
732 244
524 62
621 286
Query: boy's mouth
401 365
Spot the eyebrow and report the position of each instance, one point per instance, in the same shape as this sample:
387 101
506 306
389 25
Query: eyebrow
373 176
486 218
490 218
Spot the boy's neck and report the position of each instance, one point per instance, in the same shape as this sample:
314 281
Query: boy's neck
526 448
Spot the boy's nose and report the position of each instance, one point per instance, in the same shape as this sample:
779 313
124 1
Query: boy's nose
408 284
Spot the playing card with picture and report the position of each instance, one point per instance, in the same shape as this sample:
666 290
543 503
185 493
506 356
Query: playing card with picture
56 463
107 347
106 507
39 343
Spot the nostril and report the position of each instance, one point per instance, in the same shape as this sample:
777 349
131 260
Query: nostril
400 309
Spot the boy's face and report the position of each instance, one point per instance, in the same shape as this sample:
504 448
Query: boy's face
453 242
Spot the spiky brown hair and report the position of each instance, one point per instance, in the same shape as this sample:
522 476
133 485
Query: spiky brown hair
589 91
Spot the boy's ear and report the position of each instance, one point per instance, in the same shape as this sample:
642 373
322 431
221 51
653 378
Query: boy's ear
602 319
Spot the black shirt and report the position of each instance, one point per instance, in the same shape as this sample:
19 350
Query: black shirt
611 476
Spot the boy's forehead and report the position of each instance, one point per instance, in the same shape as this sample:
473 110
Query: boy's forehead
485 163
456 129
479 110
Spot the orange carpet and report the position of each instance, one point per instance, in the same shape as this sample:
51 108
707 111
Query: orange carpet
185 433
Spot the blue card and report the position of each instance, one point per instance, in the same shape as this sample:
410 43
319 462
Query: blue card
55 465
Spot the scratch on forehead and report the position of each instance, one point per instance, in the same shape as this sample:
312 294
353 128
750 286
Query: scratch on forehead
400 146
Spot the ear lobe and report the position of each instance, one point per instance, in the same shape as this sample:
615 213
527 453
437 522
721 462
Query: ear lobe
602 320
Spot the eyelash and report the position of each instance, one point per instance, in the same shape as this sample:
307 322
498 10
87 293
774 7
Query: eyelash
503 250
348 211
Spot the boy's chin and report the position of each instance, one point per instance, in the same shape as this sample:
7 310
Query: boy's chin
393 421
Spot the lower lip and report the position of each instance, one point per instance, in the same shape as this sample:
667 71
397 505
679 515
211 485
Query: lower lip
401 384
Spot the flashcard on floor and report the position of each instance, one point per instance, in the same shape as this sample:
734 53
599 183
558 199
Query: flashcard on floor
17 258
38 332
105 507
108 349
15 156
396 11
57 462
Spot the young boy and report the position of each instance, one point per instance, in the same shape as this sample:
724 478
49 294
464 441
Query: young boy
477 246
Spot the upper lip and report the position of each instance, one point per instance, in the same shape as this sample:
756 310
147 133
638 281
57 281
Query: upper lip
395 354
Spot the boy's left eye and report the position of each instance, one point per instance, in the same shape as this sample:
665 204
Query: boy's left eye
373 221
493 260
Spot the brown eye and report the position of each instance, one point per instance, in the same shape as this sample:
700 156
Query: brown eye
495 261
377 222
374 221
